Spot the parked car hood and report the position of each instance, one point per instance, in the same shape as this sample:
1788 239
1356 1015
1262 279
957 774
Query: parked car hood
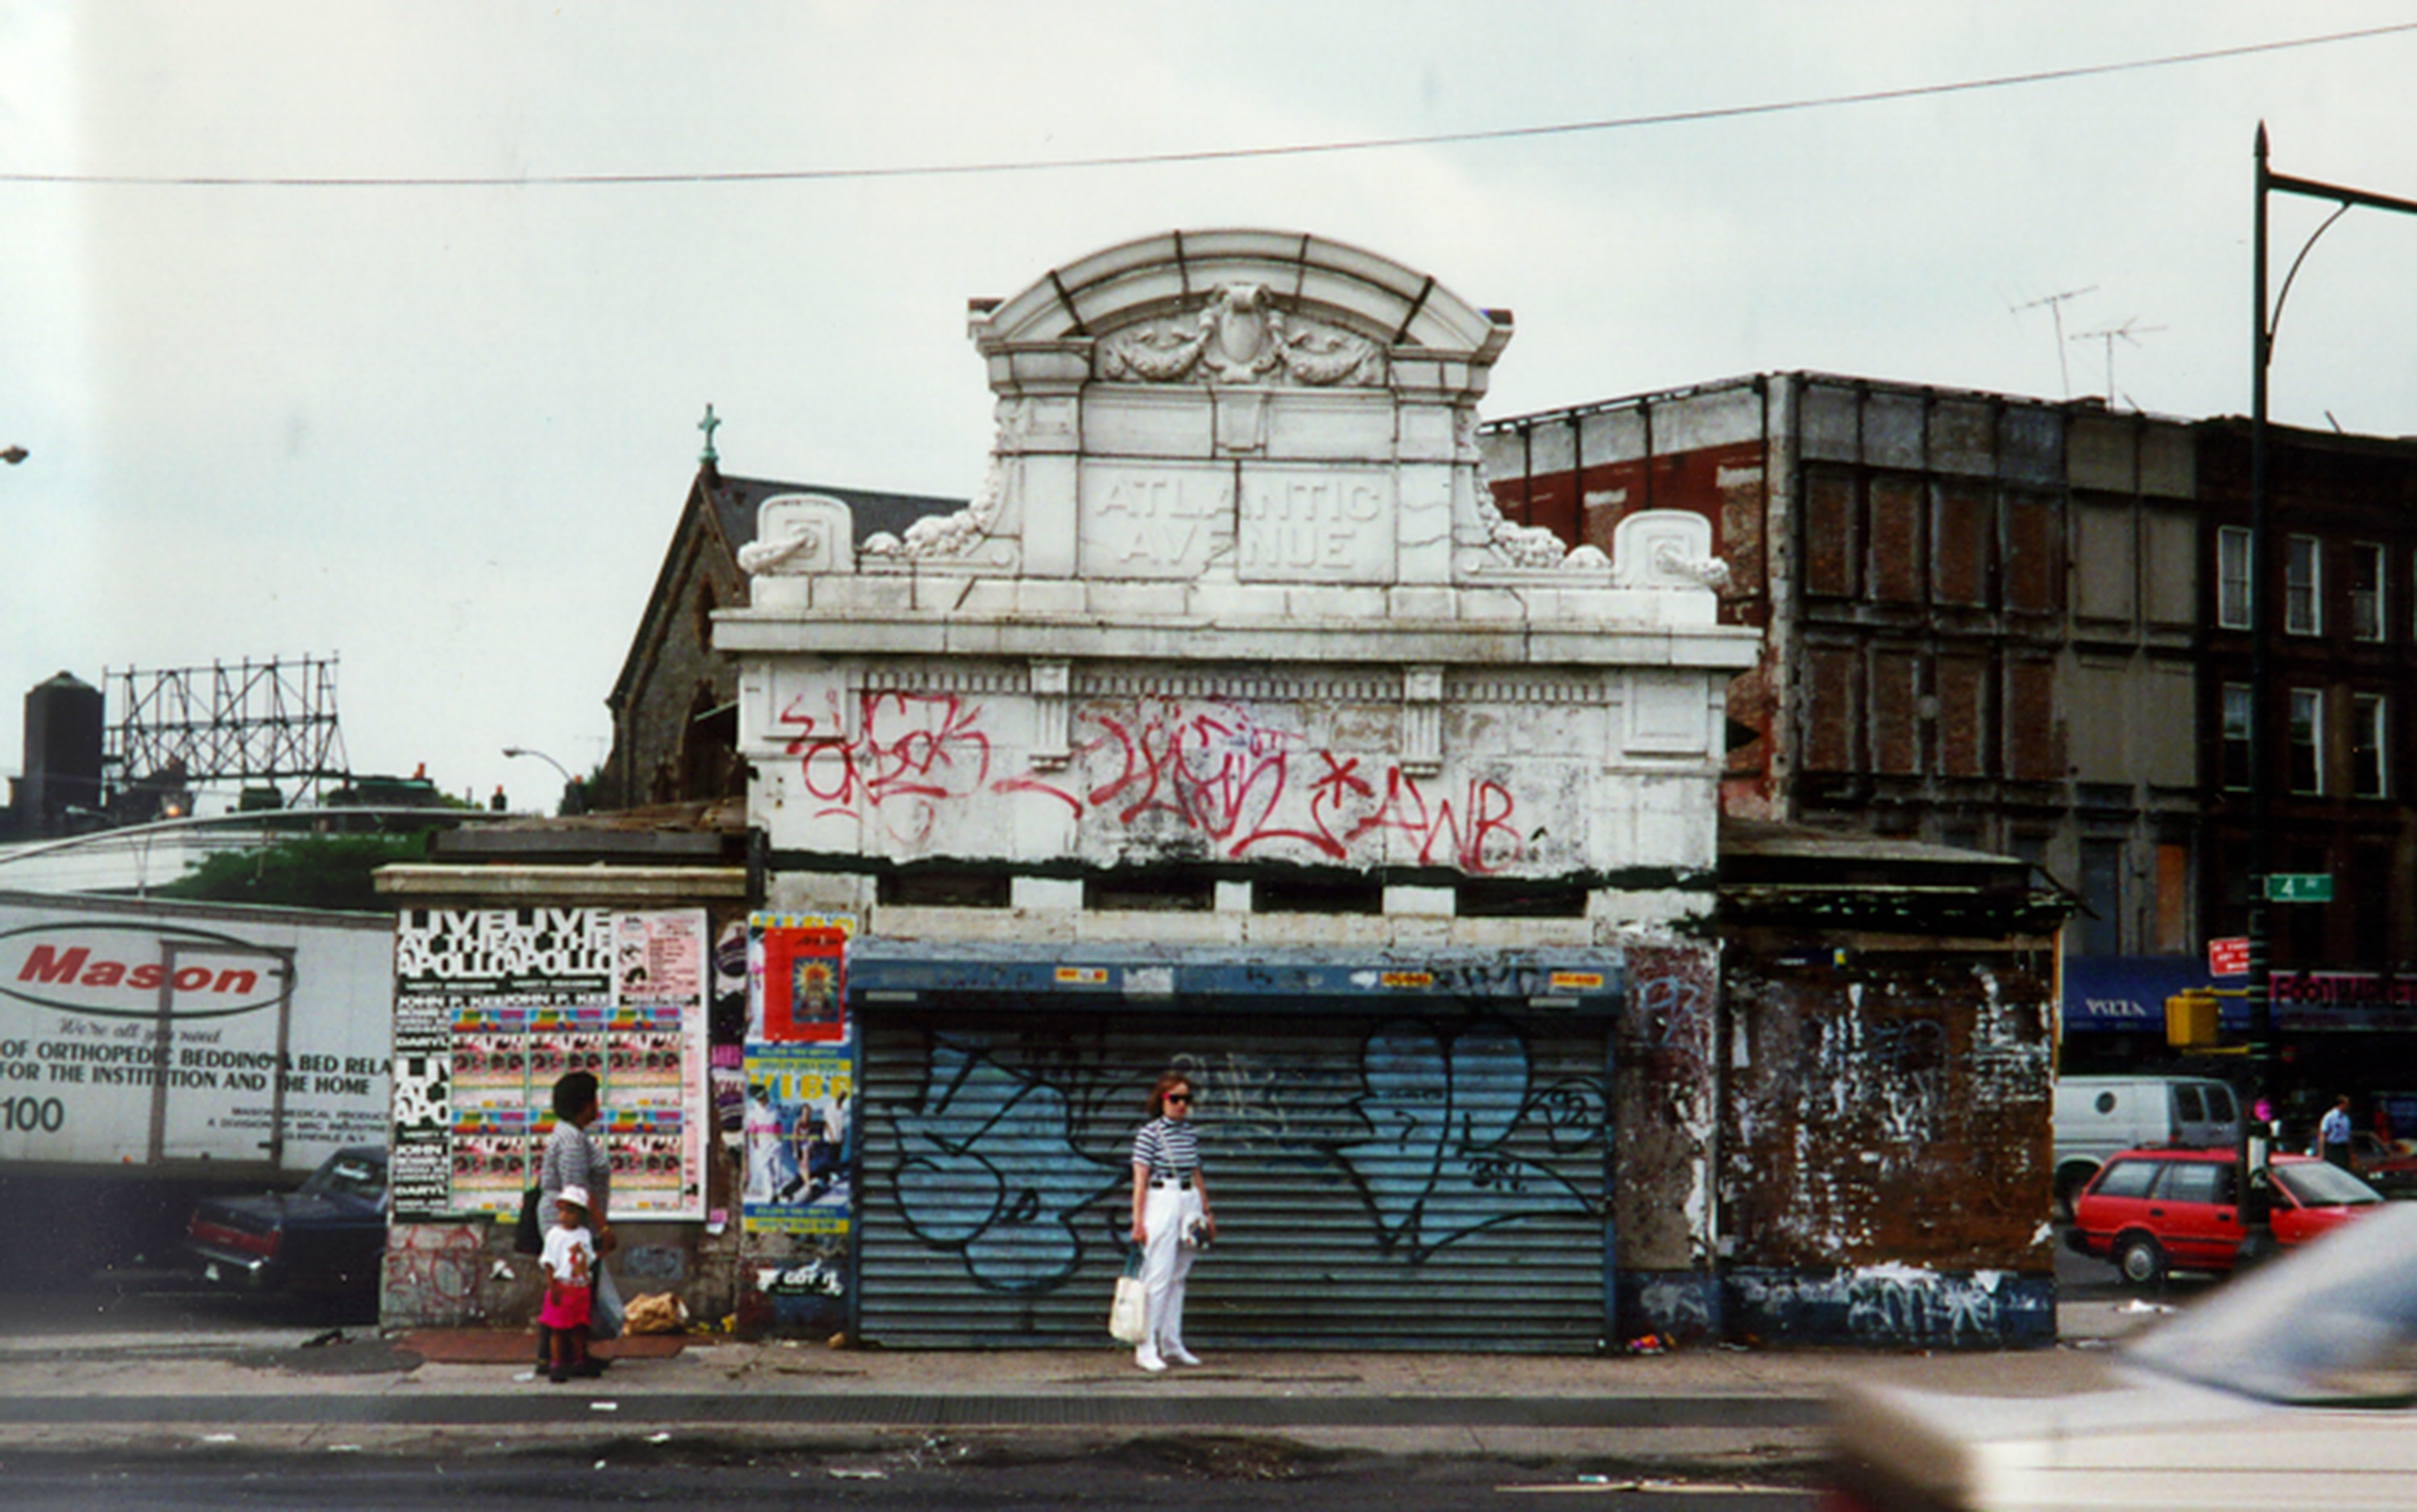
259 1211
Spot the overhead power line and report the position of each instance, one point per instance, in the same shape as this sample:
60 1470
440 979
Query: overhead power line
1205 154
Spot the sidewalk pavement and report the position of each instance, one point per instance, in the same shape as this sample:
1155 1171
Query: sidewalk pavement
1711 1411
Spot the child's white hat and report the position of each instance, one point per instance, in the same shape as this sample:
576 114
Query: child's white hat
576 1195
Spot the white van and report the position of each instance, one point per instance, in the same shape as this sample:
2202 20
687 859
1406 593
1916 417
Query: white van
2098 1116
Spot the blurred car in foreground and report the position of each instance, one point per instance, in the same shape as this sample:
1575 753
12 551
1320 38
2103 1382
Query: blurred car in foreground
2294 1385
2150 1211
326 1236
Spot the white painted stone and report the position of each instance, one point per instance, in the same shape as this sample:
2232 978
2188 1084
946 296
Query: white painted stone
1428 900
1046 893
1234 592
1146 423
1043 596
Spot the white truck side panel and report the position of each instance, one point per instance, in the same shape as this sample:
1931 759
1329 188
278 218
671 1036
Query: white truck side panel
145 1035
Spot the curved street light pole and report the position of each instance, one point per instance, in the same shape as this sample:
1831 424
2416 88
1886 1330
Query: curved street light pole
570 783
2264 323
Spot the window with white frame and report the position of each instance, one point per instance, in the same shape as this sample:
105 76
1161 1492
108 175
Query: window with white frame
2232 578
2307 749
2366 592
2366 746
2303 607
2236 706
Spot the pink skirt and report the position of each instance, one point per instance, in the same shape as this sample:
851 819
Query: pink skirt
565 1306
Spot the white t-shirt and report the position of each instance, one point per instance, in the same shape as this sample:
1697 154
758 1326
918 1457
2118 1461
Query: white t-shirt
569 1256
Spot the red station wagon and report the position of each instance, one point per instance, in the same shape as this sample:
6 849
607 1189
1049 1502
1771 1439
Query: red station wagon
2151 1211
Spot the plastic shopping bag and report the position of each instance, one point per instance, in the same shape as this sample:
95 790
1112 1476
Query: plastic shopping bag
1129 1316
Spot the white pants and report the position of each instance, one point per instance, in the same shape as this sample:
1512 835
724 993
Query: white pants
1166 1260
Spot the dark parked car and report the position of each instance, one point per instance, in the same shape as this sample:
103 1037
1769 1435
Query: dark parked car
326 1236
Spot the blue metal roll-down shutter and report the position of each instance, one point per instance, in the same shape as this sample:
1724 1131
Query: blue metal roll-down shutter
1403 1152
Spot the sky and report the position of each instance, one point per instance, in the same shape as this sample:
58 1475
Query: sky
441 432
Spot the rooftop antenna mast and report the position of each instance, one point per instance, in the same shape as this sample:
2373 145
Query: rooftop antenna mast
2055 303
2129 332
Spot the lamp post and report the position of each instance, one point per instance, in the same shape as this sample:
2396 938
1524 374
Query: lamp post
2263 325
570 783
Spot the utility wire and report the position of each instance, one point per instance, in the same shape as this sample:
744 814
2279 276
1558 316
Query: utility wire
1209 155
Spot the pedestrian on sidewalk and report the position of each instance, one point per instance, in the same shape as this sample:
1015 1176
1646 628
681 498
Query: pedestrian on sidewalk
2333 1133
574 1157
569 1265
1171 1220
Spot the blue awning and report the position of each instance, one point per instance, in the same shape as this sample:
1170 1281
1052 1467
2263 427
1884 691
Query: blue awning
2126 994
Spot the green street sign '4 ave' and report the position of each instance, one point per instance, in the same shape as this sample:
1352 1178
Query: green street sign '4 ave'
2299 887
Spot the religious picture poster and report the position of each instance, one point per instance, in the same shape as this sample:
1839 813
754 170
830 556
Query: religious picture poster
797 985
799 1124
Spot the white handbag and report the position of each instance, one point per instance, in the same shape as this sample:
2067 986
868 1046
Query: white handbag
1129 1315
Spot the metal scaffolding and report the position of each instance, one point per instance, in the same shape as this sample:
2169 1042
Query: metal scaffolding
251 722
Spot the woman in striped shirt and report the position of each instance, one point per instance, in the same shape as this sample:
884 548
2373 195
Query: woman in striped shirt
1170 1218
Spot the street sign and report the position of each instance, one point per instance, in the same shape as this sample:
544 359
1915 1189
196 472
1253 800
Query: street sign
2299 887
2228 957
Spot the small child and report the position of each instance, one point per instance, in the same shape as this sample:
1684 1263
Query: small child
569 1265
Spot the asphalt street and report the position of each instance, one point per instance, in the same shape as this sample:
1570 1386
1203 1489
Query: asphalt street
139 1387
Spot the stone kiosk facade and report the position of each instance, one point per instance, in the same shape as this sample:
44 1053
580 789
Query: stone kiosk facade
1231 727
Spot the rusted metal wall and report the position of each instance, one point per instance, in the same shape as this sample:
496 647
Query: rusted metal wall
1895 1109
1885 1149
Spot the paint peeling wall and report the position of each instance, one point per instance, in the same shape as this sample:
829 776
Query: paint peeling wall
1664 1195
1893 1110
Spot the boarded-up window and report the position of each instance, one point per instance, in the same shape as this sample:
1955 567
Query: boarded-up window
1830 710
2171 578
2167 750
2103 709
2173 899
1963 683
2031 754
1895 691
1960 564
1896 540
2035 555
2104 566
1830 532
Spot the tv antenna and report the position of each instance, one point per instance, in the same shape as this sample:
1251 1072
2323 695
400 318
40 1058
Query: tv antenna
2129 332
2055 303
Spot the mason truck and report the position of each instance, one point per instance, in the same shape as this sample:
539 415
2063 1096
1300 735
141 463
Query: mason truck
153 1051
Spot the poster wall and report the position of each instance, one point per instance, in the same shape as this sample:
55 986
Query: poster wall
800 1138
798 1121
494 1004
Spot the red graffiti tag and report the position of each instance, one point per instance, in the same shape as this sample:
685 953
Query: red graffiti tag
1477 835
925 748
1213 769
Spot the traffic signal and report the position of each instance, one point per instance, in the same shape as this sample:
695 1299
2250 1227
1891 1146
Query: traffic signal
2191 1018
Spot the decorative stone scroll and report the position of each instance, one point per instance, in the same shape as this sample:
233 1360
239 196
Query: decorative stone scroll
1242 336
941 538
1666 549
796 534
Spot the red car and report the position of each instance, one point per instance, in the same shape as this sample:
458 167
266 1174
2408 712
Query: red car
2151 1211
